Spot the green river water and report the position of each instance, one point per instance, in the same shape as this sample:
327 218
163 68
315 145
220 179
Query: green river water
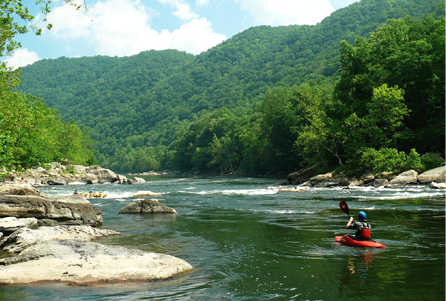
247 241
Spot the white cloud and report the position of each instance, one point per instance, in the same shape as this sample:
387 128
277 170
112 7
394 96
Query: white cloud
22 57
183 10
122 27
194 37
287 12
201 3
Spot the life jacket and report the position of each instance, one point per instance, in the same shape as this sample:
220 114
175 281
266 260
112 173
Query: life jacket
365 232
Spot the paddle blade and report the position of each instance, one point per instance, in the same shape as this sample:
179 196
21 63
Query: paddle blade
344 207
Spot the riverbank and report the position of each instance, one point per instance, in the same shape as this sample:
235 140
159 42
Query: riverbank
308 177
57 174
57 232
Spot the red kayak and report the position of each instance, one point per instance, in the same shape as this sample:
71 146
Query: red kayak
347 240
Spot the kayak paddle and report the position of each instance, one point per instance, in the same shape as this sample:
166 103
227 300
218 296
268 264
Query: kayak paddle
344 207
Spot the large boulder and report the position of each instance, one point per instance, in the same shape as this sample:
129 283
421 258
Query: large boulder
321 178
147 206
104 175
90 178
48 212
367 178
380 182
407 177
302 175
85 263
432 175
18 189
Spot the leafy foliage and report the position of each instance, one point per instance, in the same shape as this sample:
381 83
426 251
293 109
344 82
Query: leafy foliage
263 101
390 160
31 132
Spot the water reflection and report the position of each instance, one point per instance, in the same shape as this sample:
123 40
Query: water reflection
359 264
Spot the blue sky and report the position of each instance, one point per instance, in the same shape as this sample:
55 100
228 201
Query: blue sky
127 27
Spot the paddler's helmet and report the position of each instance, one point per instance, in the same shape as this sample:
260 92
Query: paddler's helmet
361 215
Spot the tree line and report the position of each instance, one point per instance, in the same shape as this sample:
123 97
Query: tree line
268 100
386 108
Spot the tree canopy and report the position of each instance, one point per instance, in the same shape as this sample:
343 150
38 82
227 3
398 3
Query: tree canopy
267 100
30 131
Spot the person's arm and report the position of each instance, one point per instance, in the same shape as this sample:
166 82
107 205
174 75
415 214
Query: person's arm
349 222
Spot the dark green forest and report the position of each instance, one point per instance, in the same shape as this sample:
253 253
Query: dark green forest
31 132
362 90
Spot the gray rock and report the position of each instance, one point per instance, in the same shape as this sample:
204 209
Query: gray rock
48 212
104 175
25 237
81 263
321 178
380 182
71 198
441 178
407 177
353 182
302 175
367 178
121 180
90 178
18 189
12 224
139 180
147 206
432 175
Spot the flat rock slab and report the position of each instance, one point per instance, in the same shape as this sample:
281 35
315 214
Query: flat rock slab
24 238
18 189
12 224
86 263
49 212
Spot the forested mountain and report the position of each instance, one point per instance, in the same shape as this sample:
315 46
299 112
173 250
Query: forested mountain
139 109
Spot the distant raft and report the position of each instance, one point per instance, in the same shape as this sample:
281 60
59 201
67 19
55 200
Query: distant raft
94 194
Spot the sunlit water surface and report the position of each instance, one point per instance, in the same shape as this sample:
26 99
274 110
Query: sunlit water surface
247 241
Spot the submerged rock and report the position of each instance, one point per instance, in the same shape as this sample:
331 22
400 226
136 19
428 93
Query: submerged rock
140 194
147 206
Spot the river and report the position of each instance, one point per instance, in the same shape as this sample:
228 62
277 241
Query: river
247 241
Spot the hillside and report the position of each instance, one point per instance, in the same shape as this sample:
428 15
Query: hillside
145 101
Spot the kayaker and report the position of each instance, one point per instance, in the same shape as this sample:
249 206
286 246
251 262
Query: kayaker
363 228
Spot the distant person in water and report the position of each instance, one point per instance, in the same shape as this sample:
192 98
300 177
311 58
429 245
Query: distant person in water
75 191
363 228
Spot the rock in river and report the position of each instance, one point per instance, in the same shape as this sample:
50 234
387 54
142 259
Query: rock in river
80 262
147 206
49 212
